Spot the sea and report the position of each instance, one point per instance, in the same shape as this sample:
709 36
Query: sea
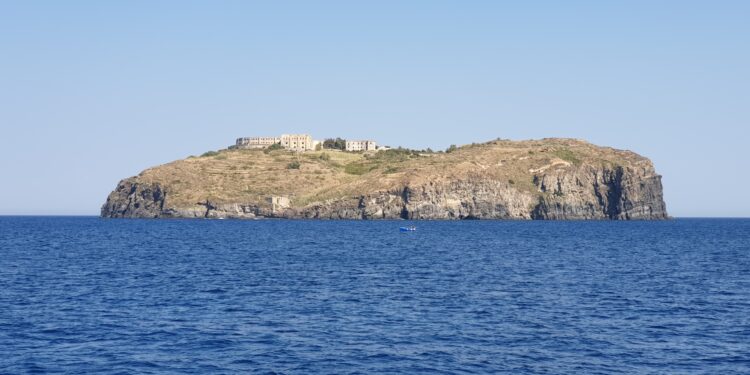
85 295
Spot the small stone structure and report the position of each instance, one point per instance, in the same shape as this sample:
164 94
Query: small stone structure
279 203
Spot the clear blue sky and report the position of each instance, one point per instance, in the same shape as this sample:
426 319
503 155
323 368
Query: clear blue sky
95 91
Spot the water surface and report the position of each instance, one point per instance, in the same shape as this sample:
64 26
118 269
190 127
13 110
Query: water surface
82 295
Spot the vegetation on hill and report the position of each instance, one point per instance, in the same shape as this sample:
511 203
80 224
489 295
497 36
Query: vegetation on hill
335 144
247 175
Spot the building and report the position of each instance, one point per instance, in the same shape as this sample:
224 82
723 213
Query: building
256 142
297 142
300 142
361 145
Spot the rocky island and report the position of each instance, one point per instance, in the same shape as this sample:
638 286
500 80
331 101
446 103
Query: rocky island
556 179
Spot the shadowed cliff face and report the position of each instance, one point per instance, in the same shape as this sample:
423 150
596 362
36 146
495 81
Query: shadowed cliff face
619 194
557 190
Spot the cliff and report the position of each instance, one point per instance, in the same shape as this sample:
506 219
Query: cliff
541 179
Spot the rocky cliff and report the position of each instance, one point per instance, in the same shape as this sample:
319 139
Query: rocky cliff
547 179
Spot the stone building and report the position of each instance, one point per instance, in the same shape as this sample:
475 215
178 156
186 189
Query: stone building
300 142
361 146
256 142
297 142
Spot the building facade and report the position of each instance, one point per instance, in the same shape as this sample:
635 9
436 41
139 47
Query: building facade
300 142
361 146
256 142
297 142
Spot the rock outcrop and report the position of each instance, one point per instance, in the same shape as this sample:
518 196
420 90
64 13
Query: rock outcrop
622 188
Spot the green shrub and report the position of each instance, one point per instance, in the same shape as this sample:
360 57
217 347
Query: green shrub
273 147
335 144
390 169
209 153
451 148
324 156
358 168
293 165
393 155
567 155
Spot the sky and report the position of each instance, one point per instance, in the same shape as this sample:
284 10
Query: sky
95 91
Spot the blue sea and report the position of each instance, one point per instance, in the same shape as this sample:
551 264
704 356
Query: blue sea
88 295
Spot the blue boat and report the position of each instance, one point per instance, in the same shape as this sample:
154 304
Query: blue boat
408 229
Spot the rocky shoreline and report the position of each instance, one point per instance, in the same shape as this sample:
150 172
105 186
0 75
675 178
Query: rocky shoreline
583 193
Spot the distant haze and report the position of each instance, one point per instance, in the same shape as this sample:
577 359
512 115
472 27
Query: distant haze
92 92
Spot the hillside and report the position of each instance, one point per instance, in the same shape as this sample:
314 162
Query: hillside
539 179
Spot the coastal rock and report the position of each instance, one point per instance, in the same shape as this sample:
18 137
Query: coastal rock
619 193
133 199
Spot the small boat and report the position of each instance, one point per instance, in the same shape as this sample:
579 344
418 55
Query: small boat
408 229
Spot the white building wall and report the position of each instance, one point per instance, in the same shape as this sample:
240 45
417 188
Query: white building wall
256 142
297 142
361 145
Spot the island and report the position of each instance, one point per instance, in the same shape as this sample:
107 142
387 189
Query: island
297 178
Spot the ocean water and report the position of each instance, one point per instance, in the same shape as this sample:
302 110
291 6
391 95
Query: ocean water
84 295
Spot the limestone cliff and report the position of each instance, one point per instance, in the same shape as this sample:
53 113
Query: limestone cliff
545 179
